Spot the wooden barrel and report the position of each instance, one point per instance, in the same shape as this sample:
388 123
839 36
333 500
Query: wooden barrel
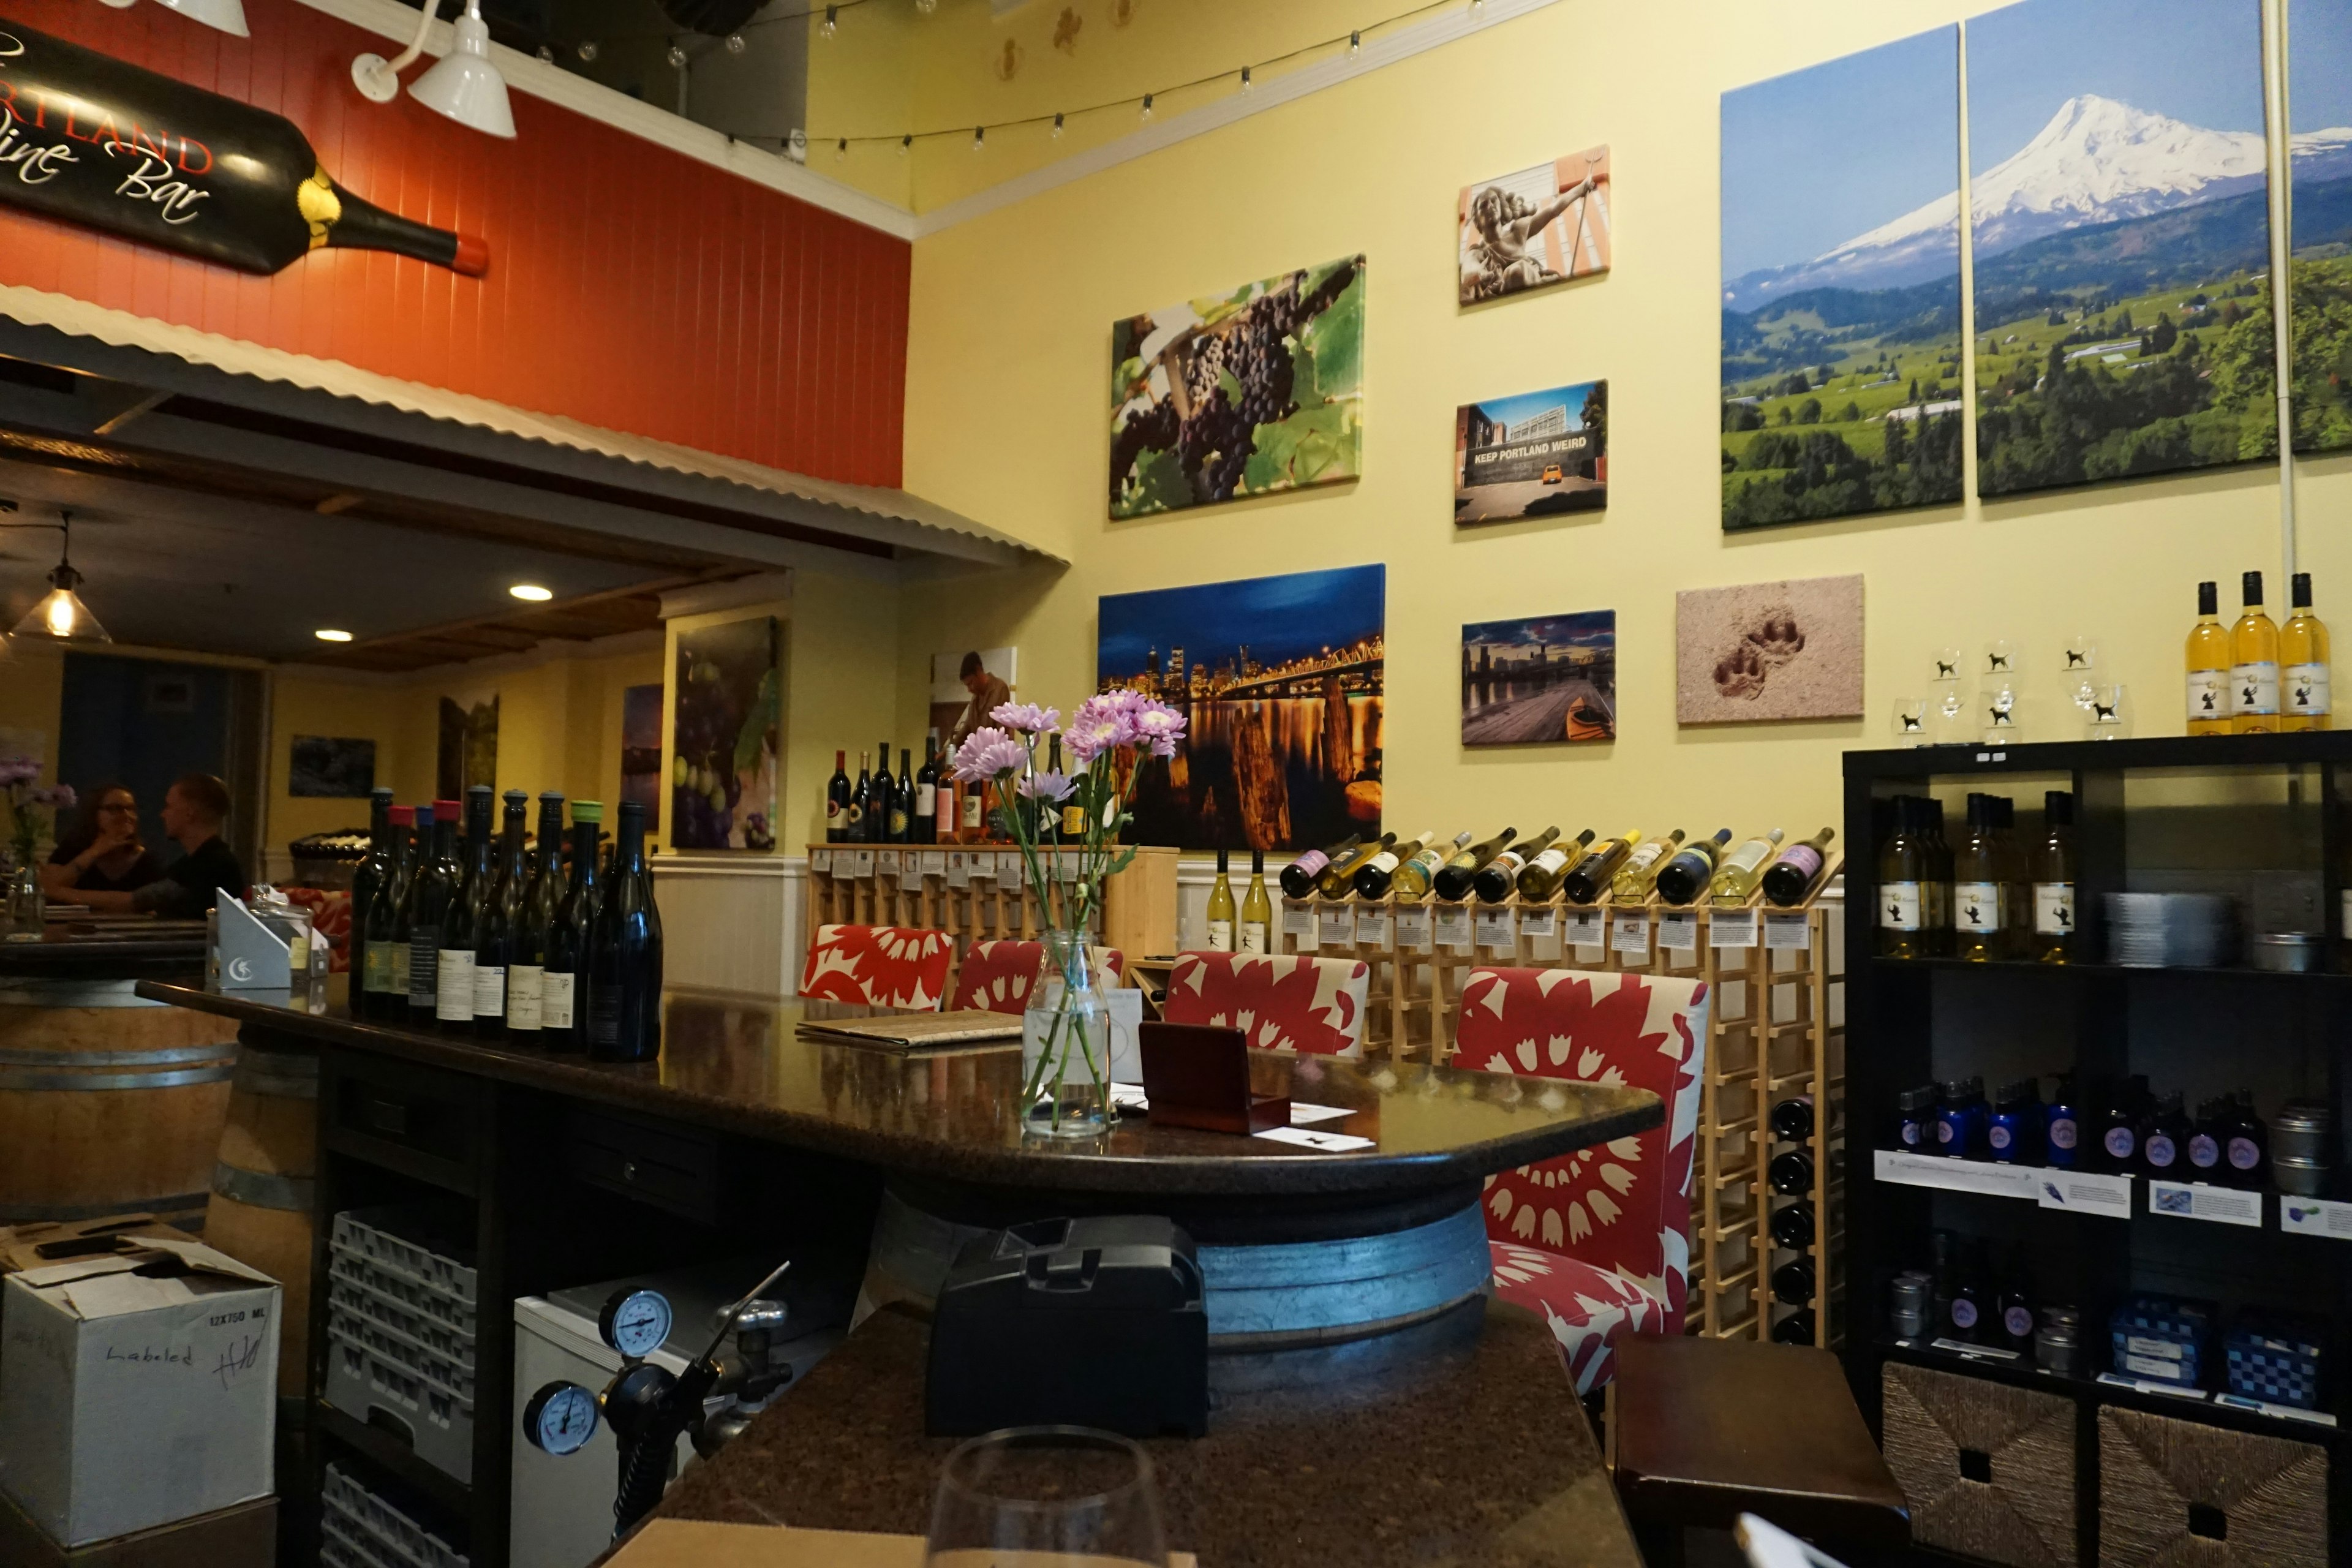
108 1103
265 1187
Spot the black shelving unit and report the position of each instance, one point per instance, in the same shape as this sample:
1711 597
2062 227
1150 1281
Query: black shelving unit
2266 819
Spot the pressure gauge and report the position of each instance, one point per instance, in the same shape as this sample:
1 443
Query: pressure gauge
560 1418
635 1322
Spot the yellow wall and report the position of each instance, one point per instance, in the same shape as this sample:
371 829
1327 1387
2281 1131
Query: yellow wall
1007 422
32 699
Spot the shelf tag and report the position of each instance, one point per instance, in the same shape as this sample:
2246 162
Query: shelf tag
958 870
1539 922
1009 870
1413 927
910 875
821 862
1957 1176
1337 925
886 862
863 864
1790 930
1498 930
935 862
1298 925
1453 926
2196 1200
1372 929
2084 1192
1678 930
1629 932
1587 928
2275 1411
2315 1216
1731 928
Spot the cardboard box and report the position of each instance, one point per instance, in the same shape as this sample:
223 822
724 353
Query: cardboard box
44 1241
690 1543
245 1536
137 1388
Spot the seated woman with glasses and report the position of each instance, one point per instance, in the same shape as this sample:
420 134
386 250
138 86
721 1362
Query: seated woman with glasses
102 855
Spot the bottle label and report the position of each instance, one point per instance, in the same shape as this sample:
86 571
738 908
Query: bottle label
2254 689
2000 1137
1803 859
2120 1141
1964 1312
377 976
2061 1132
2208 696
1898 906
927 800
2306 693
898 823
1550 860
1311 863
2019 1321
555 1001
2204 1152
454 988
1221 936
524 991
1939 905
604 1017
1946 1131
971 808
1509 862
1386 860
2054 909
1254 937
1978 907
2243 1154
298 956
832 810
1910 1135
424 979
398 986
490 990
855 815
2160 1151
1646 853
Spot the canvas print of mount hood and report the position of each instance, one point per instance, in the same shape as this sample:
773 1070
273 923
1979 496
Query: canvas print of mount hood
2319 103
1842 291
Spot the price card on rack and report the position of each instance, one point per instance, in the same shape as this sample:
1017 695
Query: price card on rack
1336 925
1298 925
958 870
821 862
1787 931
1731 928
862 866
1539 923
1629 932
1678 930
935 862
886 862
1412 928
1372 927
910 874
1008 868
1452 927
1498 929
1586 928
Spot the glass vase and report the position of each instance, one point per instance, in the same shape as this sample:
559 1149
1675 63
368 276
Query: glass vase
1066 1045
27 907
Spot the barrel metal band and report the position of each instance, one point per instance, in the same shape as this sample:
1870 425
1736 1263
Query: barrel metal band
261 1190
37 1213
273 1074
161 1058
25 1079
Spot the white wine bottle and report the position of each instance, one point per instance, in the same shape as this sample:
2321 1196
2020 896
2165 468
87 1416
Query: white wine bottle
1682 878
1338 878
1788 878
1220 909
1588 880
1257 909
1735 879
2253 665
1980 892
1374 878
2305 679
1632 883
2207 658
1543 875
1499 877
1454 877
1412 878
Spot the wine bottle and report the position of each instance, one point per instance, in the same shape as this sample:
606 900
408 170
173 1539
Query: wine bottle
972 810
2303 670
564 988
1639 869
1413 877
1499 877
1337 880
1735 880
383 942
1686 876
366 878
1790 1175
924 822
2208 662
1904 874
624 969
2254 665
228 183
1792 1283
1298 876
1455 880
429 892
1590 879
1220 909
854 814
2054 881
1797 1329
1793 1119
1544 873
494 942
1980 895
902 800
1257 909
949 804
840 804
535 926
1791 879
461 920
879 795
1939 882
1376 876
1792 1224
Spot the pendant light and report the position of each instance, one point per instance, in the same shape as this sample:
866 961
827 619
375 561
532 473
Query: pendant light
60 616
463 84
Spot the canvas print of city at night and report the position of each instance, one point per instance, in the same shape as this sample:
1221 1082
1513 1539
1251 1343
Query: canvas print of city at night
1282 680
1548 678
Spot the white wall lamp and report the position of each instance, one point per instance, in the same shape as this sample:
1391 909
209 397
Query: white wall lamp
463 84
229 15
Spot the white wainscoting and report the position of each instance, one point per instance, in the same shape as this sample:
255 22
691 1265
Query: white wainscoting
733 922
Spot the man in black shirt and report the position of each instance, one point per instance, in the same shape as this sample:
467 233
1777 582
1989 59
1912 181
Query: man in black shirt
194 810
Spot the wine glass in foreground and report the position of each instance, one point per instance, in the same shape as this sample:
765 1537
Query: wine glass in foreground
1034 1494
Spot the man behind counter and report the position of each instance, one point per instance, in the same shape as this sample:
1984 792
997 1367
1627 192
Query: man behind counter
194 810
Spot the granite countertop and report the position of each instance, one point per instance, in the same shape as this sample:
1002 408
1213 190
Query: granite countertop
1471 1450
109 948
736 1063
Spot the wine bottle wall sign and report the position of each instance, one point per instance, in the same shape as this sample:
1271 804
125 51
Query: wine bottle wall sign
90 140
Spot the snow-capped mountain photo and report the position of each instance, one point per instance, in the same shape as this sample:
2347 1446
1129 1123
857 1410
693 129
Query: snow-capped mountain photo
2319 103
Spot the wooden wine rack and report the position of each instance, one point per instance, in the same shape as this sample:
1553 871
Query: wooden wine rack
973 894
1775 1030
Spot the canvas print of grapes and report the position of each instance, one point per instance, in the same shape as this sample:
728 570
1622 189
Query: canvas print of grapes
1252 391
723 737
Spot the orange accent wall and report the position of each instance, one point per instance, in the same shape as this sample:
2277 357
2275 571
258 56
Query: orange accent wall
629 286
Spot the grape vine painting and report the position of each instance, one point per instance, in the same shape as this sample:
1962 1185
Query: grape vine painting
723 737
1241 395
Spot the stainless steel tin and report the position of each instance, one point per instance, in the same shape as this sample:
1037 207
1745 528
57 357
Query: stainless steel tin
2299 1178
2058 1348
2304 1130
2288 952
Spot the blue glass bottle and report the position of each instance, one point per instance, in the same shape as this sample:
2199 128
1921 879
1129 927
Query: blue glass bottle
2012 1133
2163 1141
1915 1129
1961 1121
2061 1128
624 962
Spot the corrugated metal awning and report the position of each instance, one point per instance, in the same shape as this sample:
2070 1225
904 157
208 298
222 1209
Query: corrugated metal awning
894 517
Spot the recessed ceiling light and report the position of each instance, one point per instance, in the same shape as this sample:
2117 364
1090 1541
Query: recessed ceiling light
328 633
533 592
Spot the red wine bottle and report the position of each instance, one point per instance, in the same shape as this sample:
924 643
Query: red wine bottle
89 138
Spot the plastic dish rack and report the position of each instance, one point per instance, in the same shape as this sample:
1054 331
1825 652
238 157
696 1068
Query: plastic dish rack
359 1529
400 1330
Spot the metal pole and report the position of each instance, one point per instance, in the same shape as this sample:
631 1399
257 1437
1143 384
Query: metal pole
2282 160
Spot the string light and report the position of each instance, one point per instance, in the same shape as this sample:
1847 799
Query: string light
925 7
588 52
979 137
676 59
736 43
905 143
1245 78
1356 43
1057 128
547 53
1146 106
841 149
832 19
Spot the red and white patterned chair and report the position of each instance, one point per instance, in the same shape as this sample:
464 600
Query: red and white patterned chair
1280 1002
995 976
1597 1241
878 966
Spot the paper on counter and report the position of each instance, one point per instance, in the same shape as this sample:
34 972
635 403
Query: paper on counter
1306 1137
1307 1115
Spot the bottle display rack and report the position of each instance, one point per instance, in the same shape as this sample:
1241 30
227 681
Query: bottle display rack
979 894
1775 1031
